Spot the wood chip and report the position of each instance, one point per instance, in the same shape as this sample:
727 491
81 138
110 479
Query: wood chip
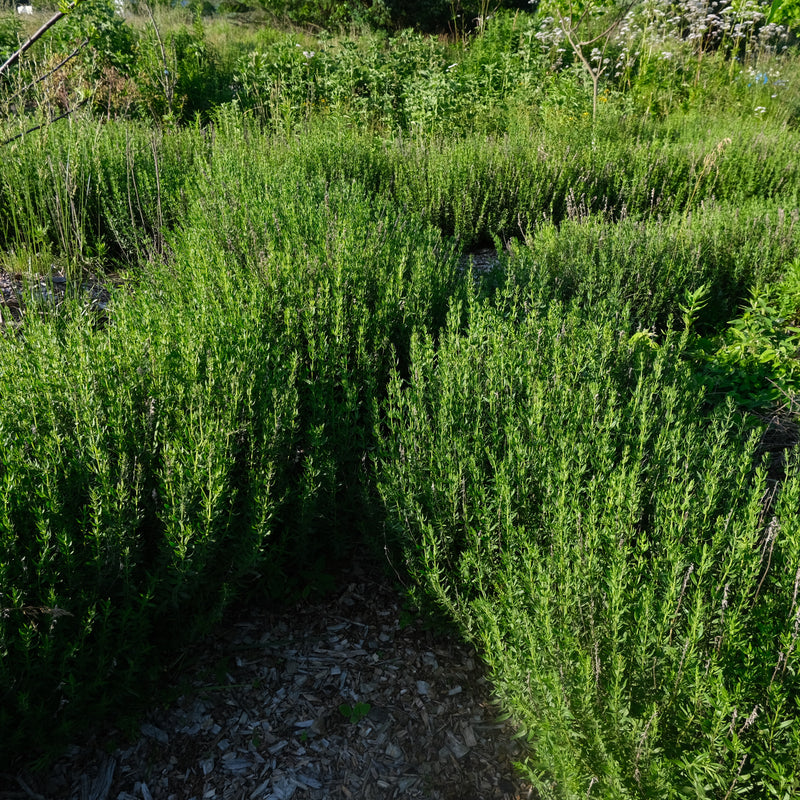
420 721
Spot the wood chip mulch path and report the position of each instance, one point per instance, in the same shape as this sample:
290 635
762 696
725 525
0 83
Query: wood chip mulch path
330 699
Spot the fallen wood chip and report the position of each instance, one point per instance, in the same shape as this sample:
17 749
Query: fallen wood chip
275 731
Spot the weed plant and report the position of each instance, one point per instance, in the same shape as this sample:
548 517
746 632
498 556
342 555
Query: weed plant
754 360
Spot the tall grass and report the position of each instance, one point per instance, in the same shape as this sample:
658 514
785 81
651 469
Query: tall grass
94 193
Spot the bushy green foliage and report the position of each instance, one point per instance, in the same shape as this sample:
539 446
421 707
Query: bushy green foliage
349 277
184 79
137 472
563 463
111 40
330 13
785 12
649 264
212 437
513 69
557 487
428 15
755 359
10 30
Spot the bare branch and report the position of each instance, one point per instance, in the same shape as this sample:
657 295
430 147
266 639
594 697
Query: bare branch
571 30
14 57
615 24
168 81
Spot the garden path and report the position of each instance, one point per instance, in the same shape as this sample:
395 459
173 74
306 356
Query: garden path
329 699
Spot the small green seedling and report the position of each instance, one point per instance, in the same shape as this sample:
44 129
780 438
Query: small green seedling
354 713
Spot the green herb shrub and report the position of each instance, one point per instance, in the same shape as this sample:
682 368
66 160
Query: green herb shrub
557 486
211 437
649 264
347 276
138 465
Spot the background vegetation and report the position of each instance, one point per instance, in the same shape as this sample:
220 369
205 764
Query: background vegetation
242 338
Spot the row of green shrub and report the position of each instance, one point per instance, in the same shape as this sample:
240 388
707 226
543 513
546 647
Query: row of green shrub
103 196
210 437
295 363
299 336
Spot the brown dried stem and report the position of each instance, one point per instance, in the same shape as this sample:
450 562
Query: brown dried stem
14 57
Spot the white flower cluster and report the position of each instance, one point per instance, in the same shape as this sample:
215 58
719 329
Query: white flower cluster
663 28
549 32
705 23
308 54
